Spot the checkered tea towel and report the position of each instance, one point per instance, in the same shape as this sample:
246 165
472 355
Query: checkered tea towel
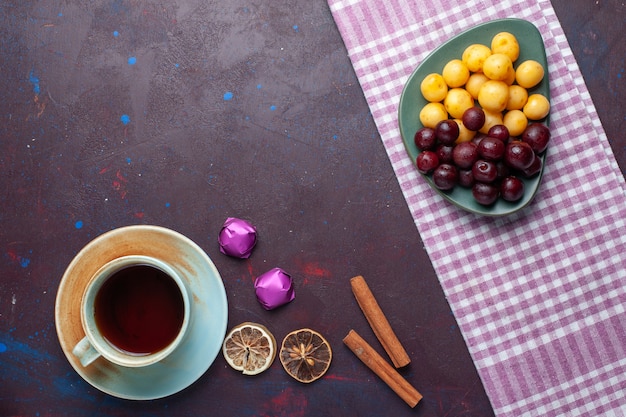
540 296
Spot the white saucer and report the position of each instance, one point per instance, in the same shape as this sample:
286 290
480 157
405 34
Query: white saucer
209 312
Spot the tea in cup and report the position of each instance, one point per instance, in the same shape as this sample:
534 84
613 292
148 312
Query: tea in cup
135 312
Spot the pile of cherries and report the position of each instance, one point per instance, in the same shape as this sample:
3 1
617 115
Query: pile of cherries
490 164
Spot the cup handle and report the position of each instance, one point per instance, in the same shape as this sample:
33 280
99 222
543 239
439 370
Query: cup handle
85 352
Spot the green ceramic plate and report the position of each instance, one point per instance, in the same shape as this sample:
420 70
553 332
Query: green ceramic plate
412 101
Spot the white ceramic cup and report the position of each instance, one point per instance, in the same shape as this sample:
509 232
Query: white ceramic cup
95 344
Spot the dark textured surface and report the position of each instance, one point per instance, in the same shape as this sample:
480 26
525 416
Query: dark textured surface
184 113
595 31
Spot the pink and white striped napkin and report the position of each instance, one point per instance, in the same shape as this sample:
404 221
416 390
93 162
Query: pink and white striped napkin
540 296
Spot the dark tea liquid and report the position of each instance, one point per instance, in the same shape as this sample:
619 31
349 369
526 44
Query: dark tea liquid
139 310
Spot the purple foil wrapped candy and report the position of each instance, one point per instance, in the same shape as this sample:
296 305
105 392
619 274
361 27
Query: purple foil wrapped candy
237 238
274 288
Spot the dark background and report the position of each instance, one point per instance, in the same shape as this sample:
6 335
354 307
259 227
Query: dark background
240 109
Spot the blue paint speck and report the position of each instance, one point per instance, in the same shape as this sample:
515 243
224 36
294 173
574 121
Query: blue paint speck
167 204
60 14
79 224
116 33
3 347
24 262
125 119
177 65
128 160
296 28
228 96
132 60
35 82
259 86
272 108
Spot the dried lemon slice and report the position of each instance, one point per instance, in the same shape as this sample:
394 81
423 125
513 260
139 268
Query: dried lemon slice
250 348
305 355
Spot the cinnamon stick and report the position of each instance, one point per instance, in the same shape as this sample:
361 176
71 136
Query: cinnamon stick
386 372
379 323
